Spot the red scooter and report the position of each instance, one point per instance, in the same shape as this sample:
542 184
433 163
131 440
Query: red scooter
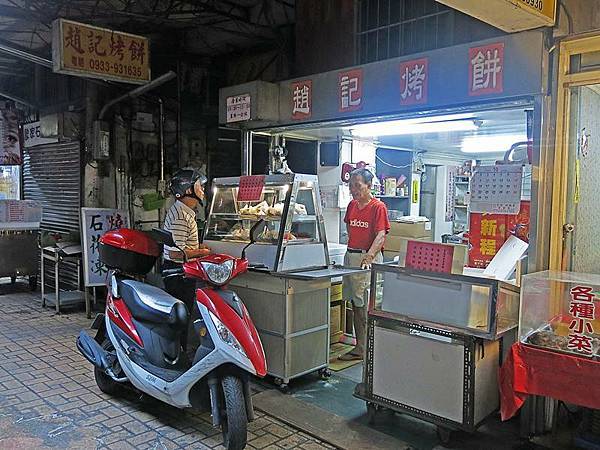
139 337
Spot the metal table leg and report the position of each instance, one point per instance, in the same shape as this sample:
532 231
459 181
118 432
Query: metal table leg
56 286
43 279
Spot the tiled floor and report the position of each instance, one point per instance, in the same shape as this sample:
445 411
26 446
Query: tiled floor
49 399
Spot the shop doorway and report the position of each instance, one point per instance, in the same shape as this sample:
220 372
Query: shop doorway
575 213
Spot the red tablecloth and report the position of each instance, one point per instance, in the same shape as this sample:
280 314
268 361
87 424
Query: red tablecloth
529 370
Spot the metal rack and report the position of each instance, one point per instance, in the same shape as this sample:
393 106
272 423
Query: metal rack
60 297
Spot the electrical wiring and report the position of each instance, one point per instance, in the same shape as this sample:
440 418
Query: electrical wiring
392 165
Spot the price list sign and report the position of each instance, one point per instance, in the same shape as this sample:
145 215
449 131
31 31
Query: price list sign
496 189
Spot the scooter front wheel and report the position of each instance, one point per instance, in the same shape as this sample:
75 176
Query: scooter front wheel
234 424
104 382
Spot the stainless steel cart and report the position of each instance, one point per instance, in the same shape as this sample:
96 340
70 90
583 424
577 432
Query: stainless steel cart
19 250
291 313
434 345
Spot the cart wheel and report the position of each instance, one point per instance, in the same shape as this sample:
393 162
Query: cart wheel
13 279
33 283
324 373
444 435
371 413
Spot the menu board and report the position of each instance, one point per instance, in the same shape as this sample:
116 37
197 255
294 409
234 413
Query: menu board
496 189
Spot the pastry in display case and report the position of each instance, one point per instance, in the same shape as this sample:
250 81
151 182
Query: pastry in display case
560 311
291 233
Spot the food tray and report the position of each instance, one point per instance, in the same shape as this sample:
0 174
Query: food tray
547 328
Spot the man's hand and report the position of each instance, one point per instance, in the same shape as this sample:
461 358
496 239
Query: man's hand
366 261
200 252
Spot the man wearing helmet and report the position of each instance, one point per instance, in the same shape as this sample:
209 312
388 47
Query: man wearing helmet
187 186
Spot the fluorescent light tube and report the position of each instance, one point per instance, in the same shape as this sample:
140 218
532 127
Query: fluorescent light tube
499 143
411 126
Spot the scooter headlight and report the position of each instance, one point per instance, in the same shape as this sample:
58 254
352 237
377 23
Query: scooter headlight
226 335
218 273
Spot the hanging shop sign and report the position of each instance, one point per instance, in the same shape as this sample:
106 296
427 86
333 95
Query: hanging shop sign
238 108
508 15
494 69
32 135
85 50
10 148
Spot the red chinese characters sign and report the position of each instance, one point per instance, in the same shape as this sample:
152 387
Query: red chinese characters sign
488 232
301 99
582 312
486 69
414 81
84 50
350 90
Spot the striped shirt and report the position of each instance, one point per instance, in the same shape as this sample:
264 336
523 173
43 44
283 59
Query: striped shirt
181 222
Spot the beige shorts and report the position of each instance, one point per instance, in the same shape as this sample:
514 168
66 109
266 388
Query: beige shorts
356 287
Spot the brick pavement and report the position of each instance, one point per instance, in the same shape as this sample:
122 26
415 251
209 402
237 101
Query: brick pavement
49 399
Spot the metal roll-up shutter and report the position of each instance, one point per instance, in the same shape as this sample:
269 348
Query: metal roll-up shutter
52 176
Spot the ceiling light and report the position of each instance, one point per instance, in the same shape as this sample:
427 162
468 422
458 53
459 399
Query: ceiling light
436 124
499 143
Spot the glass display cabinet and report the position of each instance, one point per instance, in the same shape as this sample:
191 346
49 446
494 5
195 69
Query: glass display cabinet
481 307
291 235
560 311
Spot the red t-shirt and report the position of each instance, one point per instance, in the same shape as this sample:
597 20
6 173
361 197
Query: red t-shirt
364 224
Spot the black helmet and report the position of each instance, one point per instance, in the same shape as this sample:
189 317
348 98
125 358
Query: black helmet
184 179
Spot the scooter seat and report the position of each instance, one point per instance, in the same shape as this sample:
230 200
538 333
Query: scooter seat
148 303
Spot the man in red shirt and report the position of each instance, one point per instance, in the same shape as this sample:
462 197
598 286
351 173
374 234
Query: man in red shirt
367 223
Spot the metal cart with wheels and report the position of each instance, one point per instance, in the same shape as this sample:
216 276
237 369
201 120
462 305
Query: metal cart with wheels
19 250
434 346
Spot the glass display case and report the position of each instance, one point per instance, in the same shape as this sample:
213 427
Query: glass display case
470 305
291 234
558 312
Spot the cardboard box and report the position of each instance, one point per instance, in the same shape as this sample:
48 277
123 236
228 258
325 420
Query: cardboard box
336 326
396 243
410 230
335 293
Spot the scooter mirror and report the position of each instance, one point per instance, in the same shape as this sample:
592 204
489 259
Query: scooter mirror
252 236
255 227
166 238
162 237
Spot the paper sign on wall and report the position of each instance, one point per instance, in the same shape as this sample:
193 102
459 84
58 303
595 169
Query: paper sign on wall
238 108
94 223
496 189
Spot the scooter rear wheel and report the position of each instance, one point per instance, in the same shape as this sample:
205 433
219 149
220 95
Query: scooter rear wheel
105 383
234 424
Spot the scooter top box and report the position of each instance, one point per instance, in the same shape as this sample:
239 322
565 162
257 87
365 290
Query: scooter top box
130 251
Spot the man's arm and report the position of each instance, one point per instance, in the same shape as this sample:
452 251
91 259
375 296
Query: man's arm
190 254
376 247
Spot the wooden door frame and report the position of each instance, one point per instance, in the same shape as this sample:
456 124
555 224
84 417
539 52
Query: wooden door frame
566 80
